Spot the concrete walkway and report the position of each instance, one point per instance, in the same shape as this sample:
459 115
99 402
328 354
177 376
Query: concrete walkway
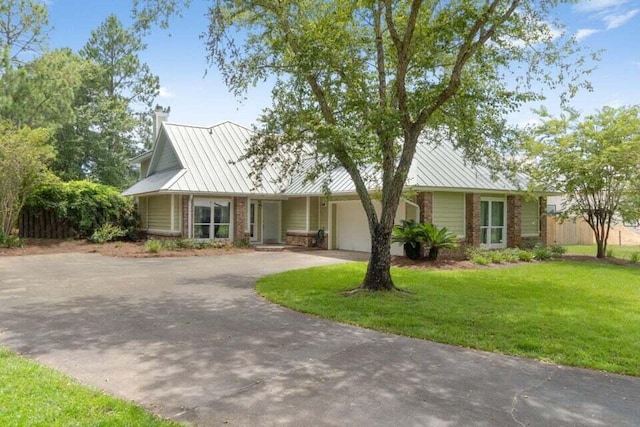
189 339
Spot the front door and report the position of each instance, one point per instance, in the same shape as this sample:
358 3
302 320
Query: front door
492 223
270 221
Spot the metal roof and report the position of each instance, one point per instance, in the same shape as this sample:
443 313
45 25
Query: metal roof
440 165
209 158
435 166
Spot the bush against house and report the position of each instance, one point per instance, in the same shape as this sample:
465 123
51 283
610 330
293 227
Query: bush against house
81 208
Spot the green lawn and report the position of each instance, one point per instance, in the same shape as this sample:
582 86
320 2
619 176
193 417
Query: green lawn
32 395
571 313
618 251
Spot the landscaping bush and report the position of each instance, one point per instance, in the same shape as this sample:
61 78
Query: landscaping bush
496 257
542 253
86 207
10 241
557 250
153 246
414 235
525 256
634 258
410 236
107 233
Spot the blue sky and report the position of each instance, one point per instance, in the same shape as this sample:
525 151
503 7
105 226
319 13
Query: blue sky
178 56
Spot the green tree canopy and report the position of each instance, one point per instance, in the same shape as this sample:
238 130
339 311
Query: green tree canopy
24 154
359 82
594 161
119 100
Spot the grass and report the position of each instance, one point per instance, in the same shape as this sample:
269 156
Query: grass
33 395
571 313
623 252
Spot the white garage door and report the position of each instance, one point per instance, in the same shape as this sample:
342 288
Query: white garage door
352 230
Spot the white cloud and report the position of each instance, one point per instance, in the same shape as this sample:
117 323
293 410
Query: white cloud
614 102
598 5
618 20
583 33
164 93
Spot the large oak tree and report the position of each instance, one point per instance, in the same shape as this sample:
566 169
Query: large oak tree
361 82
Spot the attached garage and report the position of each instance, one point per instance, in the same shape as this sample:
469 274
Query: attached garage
351 227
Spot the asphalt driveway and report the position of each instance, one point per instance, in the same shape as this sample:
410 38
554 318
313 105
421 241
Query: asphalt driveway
189 339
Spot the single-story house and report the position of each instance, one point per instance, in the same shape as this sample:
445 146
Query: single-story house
192 186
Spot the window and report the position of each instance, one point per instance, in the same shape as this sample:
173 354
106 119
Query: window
252 220
492 223
211 219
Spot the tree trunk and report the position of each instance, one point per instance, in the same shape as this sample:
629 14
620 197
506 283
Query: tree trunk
433 253
378 277
602 248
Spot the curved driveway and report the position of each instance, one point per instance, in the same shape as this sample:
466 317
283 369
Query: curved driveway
189 339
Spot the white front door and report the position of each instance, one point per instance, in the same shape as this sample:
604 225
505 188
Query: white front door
492 223
270 221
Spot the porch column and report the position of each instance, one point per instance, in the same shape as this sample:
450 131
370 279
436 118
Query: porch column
514 221
472 220
239 218
542 217
425 202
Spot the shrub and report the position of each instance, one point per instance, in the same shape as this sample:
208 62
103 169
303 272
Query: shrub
542 253
496 257
609 253
153 246
410 236
634 258
557 250
480 259
525 256
10 241
107 233
511 255
437 238
86 206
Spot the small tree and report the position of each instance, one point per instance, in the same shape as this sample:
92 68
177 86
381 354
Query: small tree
24 155
595 162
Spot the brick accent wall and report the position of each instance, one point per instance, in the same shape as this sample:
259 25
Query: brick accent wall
544 236
425 201
239 218
514 221
472 220
185 216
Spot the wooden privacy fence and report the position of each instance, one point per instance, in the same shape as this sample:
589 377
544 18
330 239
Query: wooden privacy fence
44 224
577 232
569 232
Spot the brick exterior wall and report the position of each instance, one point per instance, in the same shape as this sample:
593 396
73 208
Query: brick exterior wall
425 202
472 220
544 236
514 221
239 218
304 239
185 216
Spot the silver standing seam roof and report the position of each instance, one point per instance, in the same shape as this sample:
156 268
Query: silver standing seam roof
207 156
435 166
209 163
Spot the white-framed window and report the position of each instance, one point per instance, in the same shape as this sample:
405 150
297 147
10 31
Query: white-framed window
493 230
212 219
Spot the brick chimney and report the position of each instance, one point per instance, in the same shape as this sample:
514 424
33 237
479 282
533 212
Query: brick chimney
160 115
